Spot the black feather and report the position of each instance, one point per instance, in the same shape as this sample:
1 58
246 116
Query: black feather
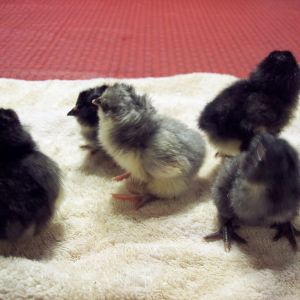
29 180
85 111
265 101
261 185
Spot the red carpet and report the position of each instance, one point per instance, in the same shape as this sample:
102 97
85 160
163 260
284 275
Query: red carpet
118 38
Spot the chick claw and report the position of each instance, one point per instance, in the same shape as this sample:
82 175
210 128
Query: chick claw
226 233
287 230
122 176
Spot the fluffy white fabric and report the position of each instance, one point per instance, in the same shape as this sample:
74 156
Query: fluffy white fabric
97 248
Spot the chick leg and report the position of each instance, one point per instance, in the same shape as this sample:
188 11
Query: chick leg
92 149
221 155
86 147
226 233
137 199
144 200
122 176
287 230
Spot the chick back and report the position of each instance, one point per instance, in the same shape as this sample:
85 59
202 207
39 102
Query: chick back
260 190
183 142
241 111
173 157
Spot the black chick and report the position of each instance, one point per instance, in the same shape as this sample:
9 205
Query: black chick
262 103
29 181
87 117
259 187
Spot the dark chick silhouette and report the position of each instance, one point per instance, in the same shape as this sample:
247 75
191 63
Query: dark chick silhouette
86 114
262 103
259 187
29 181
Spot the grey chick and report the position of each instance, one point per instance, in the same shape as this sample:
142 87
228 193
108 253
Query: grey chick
259 187
29 181
160 153
86 114
262 103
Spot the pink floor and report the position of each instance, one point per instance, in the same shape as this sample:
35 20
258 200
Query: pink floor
76 39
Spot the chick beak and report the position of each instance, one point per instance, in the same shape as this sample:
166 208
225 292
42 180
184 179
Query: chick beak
73 112
96 102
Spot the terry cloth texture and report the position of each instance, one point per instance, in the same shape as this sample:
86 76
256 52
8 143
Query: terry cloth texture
99 248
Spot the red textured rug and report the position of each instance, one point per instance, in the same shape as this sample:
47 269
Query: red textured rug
42 39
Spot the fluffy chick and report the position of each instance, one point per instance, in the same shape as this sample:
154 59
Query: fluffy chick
86 114
262 103
29 181
160 153
259 187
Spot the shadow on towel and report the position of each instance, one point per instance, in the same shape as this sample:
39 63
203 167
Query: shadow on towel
39 247
100 164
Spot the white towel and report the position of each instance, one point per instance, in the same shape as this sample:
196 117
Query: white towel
99 248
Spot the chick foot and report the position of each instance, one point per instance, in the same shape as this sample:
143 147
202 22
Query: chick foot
222 155
92 149
122 176
86 147
226 233
287 230
137 199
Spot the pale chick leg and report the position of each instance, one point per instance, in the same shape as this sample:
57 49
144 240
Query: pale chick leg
140 194
136 191
137 199
122 176
90 148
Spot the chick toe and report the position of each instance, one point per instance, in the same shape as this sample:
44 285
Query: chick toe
227 234
287 230
122 176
